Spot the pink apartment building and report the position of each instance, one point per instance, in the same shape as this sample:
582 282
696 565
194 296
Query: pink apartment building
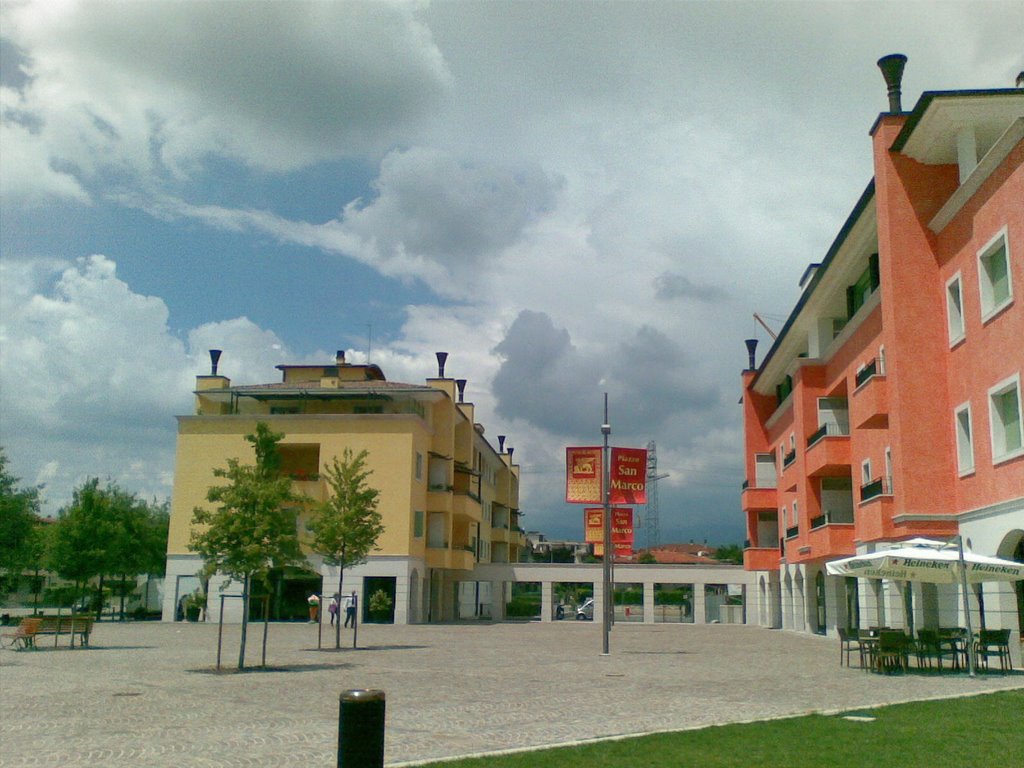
889 406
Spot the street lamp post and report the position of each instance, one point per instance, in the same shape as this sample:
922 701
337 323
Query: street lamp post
606 430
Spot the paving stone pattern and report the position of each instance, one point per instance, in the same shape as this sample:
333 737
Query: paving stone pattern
144 694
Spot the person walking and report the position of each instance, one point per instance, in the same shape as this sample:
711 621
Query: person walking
333 608
350 609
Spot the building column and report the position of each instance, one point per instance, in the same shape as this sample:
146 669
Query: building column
699 604
546 607
648 603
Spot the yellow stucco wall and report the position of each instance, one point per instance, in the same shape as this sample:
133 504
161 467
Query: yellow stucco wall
206 442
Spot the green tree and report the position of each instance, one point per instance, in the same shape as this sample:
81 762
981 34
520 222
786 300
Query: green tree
19 517
252 528
98 535
346 527
729 553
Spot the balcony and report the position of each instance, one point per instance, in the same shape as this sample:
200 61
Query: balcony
876 488
788 459
828 452
793 532
311 485
869 408
759 498
761 558
464 505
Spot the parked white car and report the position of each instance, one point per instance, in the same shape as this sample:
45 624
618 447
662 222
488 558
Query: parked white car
585 610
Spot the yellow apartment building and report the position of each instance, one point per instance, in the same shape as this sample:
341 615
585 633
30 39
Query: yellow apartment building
449 499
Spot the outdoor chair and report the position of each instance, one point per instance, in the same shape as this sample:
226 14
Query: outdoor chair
849 641
956 639
868 639
928 647
993 642
892 651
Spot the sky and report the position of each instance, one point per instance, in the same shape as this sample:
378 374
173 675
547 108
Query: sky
570 198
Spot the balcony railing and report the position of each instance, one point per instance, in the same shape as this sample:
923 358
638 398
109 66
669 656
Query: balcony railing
832 517
789 458
792 533
880 487
826 430
865 373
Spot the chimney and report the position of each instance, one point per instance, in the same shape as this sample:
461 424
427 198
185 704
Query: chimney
441 357
501 443
339 357
892 70
751 348
510 449
1020 79
214 359
461 384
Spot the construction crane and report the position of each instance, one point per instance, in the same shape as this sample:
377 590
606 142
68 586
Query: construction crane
764 325
651 515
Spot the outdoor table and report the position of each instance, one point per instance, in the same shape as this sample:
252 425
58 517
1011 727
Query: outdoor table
956 639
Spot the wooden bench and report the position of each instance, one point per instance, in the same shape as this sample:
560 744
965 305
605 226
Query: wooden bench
31 628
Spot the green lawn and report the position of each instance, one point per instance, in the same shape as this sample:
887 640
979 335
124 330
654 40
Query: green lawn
969 732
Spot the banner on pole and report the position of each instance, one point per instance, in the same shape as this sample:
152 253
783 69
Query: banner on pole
622 530
583 475
629 476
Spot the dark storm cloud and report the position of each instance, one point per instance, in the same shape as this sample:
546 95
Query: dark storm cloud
543 377
670 285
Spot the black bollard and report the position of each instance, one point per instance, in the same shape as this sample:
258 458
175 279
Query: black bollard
361 729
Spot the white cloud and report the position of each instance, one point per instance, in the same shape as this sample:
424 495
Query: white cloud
91 377
153 88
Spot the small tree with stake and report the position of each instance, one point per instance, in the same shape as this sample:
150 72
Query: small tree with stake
252 528
346 527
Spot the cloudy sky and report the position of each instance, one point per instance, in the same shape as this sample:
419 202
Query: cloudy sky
570 198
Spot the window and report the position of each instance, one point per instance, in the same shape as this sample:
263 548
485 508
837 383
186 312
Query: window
954 310
419 465
1004 412
964 446
881 360
994 280
888 468
417 526
865 472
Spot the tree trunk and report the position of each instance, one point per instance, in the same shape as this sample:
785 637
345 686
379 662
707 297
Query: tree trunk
99 602
124 578
337 616
245 621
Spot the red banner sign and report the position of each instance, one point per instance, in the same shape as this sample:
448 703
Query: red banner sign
583 475
622 530
629 476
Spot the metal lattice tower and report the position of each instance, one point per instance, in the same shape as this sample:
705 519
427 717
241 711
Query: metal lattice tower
651 514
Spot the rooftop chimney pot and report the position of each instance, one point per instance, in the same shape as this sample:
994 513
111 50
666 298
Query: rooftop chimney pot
339 357
892 70
751 349
1020 79
441 357
214 359
501 443
461 384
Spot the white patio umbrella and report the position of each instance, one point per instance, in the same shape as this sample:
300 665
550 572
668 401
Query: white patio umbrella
935 562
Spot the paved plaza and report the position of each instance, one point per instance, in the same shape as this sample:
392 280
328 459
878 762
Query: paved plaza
144 695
